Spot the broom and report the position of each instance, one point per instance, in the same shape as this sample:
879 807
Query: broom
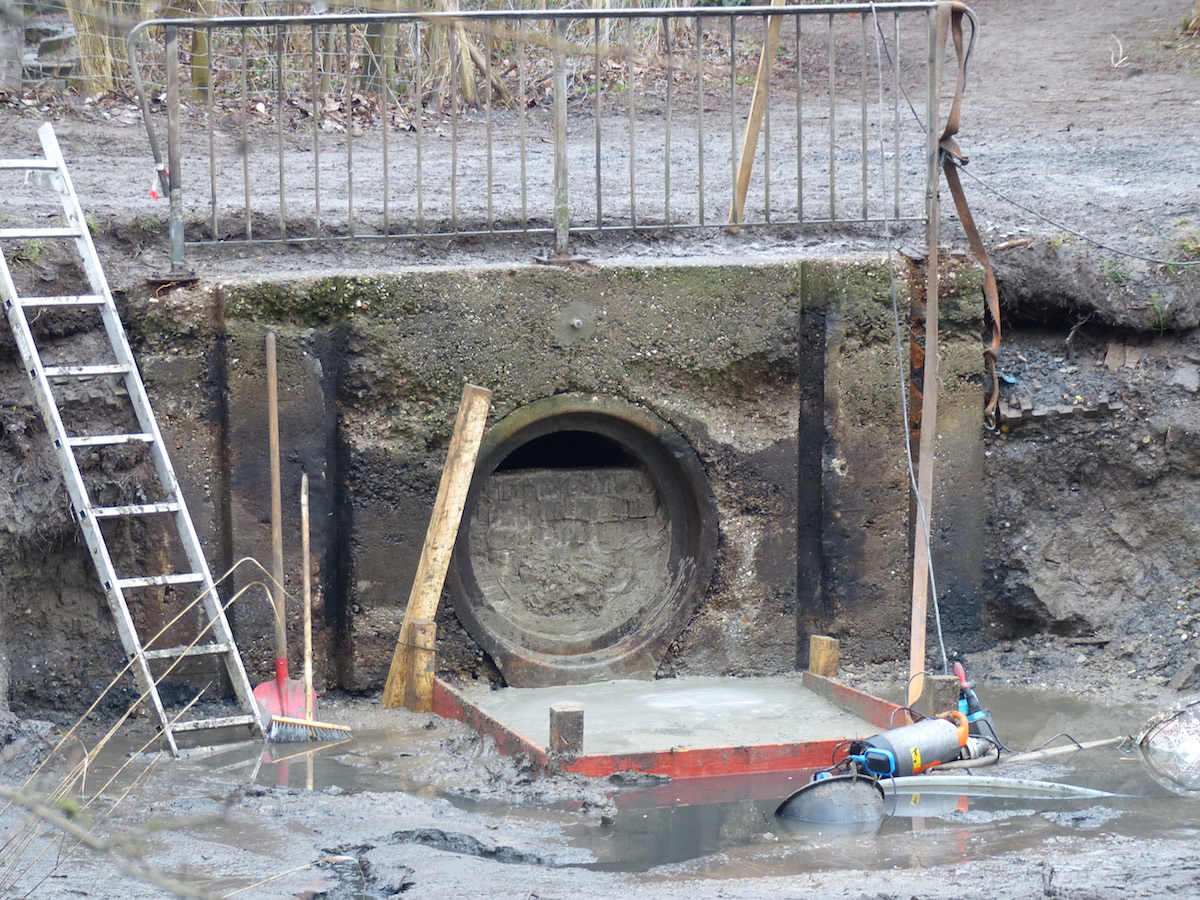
285 729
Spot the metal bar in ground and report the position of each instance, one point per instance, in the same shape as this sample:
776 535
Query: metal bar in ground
522 123
174 176
733 145
487 78
799 119
562 213
769 47
316 125
456 76
279 89
896 113
387 64
597 113
348 100
666 27
862 103
245 139
210 124
419 113
631 94
700 118
832 54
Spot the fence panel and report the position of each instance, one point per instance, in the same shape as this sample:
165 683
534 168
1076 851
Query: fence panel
353 125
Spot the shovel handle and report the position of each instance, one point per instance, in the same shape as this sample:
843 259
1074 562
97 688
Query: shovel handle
276 507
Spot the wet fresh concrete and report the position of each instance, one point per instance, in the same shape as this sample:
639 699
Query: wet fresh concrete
643 716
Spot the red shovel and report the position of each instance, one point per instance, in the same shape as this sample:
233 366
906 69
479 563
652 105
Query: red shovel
284 696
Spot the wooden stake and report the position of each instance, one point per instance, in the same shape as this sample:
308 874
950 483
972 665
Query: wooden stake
823 655
442 533
566 730
421 666
758 106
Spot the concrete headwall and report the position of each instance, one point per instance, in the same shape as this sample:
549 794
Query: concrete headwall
782 379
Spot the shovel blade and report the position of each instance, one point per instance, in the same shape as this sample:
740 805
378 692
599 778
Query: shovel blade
283 698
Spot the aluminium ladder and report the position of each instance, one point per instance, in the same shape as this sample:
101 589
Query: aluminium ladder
214 636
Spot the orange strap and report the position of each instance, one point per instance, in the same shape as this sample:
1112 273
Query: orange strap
950 16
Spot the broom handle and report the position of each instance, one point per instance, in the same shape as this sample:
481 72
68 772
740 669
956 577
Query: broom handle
308 672
281 672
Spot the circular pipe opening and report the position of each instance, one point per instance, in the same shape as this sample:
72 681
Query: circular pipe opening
588 539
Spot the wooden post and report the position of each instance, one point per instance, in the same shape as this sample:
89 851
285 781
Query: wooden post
566 730
940 694
758 106
442 533
823 655
422 665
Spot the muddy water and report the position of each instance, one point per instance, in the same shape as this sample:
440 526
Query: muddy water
726 827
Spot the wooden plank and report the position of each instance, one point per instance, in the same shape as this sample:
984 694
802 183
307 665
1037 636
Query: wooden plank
422 664
823 655
442 532
880 713
940 694
758 106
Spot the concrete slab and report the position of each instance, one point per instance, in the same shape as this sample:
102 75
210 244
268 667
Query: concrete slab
685 727
638 716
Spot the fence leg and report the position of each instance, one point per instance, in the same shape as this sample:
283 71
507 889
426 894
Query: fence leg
562 213
175 189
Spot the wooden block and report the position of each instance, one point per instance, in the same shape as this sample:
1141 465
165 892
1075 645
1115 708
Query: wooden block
422 665
823 655
940 694
566 730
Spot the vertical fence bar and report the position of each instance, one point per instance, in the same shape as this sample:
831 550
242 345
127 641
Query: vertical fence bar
862 105
174 179
487 77
209 107
456 74
280 88
597 112
700 116
666 27
522 123
832 54
630 93
419 116
733 144
770 68
562 212
896 112
316 123
385 98
799 120
245 138
348 102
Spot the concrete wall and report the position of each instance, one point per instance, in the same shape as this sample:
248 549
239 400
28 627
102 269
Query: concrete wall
782 378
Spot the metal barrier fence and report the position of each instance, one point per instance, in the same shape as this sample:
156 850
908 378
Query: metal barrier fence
354 125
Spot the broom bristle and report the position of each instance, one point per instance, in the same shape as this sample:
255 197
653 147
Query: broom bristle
286 730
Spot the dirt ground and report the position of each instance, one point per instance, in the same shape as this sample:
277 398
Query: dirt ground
1081 123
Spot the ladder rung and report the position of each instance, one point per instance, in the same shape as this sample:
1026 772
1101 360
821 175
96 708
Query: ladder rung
86 371
221 722
160 580
104 440
140 509
193 650
30 233
19 164
66 300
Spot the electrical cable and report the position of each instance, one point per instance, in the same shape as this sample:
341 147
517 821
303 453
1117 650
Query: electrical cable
922 514
1067 229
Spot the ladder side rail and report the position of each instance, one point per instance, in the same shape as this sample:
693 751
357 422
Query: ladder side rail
77 492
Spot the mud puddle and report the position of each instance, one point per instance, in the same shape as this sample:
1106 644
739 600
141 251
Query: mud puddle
720 827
